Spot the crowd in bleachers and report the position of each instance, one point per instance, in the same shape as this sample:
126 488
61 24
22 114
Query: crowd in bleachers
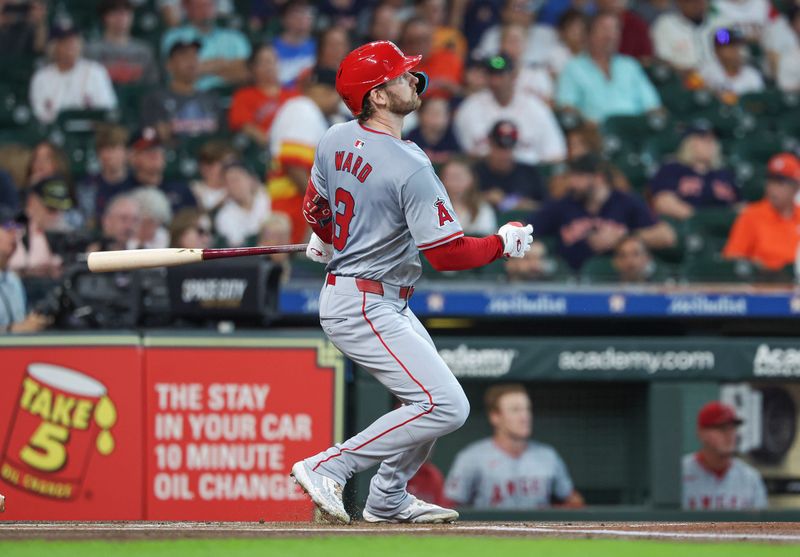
645 140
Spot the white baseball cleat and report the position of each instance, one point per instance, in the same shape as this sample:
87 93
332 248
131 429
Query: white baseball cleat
324 492
418 512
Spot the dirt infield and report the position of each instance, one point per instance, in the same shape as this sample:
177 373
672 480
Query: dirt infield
769 532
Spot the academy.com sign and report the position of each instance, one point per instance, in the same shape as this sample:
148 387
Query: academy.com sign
776 362
478 362
652 362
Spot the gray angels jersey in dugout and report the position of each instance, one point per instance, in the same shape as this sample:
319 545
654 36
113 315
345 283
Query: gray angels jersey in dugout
387 203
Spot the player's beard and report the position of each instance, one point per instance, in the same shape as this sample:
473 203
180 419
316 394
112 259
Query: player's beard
401 107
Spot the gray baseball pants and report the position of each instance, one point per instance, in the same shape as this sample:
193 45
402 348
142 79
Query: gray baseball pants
381 334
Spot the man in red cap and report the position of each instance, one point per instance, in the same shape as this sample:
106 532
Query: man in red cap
768 231
713 478
374 202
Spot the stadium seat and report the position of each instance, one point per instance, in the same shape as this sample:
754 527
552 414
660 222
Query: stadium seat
83 122
129 102
633 130
751 179
523 216
756 149
716 270
764 104
682 102
707 232
598 269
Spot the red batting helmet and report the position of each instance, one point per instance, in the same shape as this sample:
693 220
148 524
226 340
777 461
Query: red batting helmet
371 65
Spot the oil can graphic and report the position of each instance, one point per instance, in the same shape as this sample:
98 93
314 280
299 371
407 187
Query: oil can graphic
60 419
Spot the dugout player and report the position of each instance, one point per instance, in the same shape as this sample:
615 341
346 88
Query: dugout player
713 478
374 202
508 470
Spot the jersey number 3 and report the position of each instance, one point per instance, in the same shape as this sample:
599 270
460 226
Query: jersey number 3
342 217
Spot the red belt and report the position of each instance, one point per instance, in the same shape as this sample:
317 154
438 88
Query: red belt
374 287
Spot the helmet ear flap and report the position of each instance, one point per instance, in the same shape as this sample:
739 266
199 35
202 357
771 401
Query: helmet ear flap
422 84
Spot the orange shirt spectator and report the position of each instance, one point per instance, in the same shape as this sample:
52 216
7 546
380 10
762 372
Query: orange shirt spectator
446 72
251 105
768 231
444 68
254 107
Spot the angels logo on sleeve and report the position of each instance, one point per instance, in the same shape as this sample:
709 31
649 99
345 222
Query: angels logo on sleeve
442 212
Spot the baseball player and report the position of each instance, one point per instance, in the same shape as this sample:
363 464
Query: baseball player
374 202
713 479
508 470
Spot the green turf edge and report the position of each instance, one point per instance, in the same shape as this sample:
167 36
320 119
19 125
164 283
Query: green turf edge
388 546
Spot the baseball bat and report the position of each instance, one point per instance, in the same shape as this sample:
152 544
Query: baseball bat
128 260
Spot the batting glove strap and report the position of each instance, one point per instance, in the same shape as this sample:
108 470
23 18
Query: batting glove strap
517 239
318 250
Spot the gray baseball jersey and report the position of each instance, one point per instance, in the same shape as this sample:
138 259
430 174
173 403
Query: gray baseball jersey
387 202
486 477
739 488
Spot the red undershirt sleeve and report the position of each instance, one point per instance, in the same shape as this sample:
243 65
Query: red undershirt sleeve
465 253
317 213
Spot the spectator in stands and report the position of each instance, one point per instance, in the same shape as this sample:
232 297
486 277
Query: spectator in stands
530 80
385 24
14 317
46 160
333 45
507 184
601 82
190 229
632 261
684 38
434 135
475 215
340 14
94 192
179 109
246 209
713 478
46 205
173 12
15 160
585 139
767 232
728 75
695 179
298 127
254 107
23 27
154 218
445 37
295 46
760 23
788 74
148 162
474 17
209 188
542 40
535 265
223 52
651 10
126 59
509 470
593 217
277 231
635 33
120 224
444 68
9 196
540 138
572 31
70 82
